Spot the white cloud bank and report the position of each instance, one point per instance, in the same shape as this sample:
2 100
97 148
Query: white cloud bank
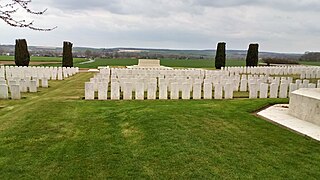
281 26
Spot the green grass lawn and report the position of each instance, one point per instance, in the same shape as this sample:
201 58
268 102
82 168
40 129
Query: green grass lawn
310 63
191 63
43 59
54 134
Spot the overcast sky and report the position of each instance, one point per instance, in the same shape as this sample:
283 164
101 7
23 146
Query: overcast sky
277 25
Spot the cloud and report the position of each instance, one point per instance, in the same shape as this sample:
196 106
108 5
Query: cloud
281 25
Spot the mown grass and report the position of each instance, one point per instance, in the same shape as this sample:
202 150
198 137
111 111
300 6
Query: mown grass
43 59
190 63
310 63
54 134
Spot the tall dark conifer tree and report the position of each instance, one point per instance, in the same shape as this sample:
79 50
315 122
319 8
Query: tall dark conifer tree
21 53
67 59
220 60
253 55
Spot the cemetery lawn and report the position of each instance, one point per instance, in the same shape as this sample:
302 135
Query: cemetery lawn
54 134
183 63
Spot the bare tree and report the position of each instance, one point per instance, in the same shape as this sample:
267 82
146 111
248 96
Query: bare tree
8 9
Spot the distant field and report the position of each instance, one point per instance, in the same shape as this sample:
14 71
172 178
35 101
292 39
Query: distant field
310 63
190 63
43 59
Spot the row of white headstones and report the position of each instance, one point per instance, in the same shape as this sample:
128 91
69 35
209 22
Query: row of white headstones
131 84
14 80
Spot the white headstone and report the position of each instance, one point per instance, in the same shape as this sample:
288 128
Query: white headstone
163 91
244 85
89 91
23 86
3 91
228 91
127 91
33 86
44 82
217 91
185 91
263 90
37 81
139 91
174 93
196 93
152 91
274 90
253 91
299 83
60 77
102 91
15 92
305 83
207 91
293 87
283 93
115 91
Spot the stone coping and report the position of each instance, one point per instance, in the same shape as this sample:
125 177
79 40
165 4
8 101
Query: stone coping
313 93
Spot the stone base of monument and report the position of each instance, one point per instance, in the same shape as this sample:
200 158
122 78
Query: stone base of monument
302 115
148 64
279 114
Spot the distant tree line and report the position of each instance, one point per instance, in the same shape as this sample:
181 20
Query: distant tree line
270 61
310 56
